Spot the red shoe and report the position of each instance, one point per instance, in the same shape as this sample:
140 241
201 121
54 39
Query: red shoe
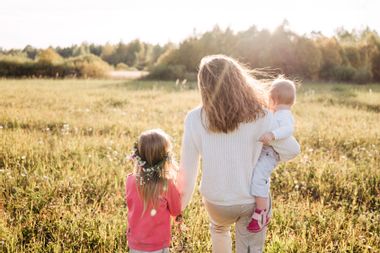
260 220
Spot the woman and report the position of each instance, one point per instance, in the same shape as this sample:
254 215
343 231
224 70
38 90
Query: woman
224 131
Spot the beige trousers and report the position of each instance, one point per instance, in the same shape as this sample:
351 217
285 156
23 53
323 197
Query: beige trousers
221 219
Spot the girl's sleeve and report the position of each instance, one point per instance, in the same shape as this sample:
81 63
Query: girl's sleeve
188 169
174 199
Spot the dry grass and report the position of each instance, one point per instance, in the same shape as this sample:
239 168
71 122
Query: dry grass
62 166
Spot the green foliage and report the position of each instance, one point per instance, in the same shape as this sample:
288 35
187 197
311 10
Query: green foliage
331 55
31 52
121 66
51 65
17 58
353 55
49 56
124 53
134 54
63 166
308 59
375 63
343 73
167 72
349 56
66 52
281 50
362 75
89 66
345 58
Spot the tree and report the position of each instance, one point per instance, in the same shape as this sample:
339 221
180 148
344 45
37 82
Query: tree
281 49
107 52
49 56
331 56
308 58
353 55
30 52
376 66
345 36
95 49
66 52
249 45
83 49
132 50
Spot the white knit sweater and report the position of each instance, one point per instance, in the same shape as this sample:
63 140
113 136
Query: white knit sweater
228 160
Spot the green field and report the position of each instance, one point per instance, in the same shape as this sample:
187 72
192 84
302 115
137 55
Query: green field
63 147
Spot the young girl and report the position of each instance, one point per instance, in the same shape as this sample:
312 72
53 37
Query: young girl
151 194
282 96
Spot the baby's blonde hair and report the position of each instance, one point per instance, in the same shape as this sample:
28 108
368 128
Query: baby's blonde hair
283 91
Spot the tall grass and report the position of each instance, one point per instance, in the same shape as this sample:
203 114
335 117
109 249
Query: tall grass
63 147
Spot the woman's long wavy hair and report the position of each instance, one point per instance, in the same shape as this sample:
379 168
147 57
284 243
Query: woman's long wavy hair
230 94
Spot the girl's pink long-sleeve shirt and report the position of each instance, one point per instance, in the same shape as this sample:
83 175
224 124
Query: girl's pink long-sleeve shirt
148 232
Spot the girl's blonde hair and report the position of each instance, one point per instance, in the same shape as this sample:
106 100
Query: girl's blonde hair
156 165
230 95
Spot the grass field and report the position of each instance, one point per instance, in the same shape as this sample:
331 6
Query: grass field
63 147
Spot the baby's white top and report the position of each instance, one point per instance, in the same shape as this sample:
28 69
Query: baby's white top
285 121
228 160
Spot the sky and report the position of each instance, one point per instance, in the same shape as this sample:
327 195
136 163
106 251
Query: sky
44 23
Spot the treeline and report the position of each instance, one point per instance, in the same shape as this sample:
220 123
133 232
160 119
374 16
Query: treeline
348 56
85 60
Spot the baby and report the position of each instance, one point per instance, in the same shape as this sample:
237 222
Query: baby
282 96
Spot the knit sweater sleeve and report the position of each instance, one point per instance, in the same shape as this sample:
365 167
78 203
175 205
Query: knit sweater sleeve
188 169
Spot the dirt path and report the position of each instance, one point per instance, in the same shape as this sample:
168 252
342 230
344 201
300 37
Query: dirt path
127 74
